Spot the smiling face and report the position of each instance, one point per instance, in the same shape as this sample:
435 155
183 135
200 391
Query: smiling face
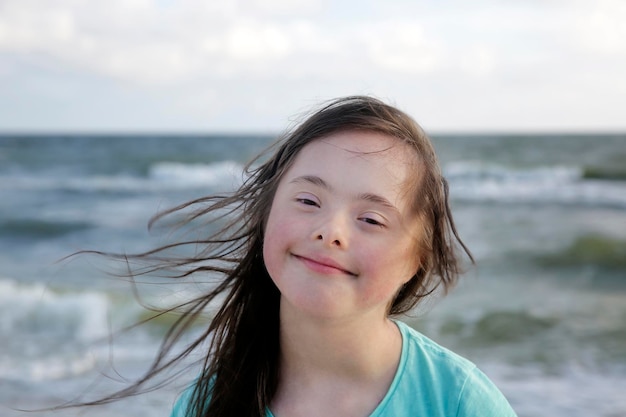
341 238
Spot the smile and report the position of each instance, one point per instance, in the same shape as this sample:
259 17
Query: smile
324 265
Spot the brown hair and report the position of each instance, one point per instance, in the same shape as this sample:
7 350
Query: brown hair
241 367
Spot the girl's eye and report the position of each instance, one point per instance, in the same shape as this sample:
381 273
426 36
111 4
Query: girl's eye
372 221
307 202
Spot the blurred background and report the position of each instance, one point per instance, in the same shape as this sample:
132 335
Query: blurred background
112 111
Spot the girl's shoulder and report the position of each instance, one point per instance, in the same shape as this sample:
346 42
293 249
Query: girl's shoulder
184 407
181 406
432 380
419 347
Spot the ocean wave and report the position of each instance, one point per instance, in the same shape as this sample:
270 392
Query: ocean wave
48 334
605 173
592 249
38 229
227 173
469 181
474 171
520 336
42 330
575 392
162 176
498 327
36 310
479 182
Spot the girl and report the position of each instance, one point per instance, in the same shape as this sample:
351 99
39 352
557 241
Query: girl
346 226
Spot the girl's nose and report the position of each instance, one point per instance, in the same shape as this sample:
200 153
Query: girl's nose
333 232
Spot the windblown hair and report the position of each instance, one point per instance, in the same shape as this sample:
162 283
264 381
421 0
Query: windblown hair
240 370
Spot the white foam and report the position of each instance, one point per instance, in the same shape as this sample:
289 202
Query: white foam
162 176
475 171
43 332
224 173
557 184
42 369
36 310
574 392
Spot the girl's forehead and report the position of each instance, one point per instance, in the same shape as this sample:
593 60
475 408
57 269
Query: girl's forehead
370 147
366 159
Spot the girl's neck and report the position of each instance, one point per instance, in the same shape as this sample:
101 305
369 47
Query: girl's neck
351 348
335 367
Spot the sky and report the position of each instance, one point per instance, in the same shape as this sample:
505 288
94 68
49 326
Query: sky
255 66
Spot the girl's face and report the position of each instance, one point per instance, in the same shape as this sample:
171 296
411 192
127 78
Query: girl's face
341 238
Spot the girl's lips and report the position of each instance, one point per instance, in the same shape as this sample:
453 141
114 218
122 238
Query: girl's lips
323 265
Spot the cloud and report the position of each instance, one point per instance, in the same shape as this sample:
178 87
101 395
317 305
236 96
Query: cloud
147 42
402 46
144 41
251 41
454 62
602 29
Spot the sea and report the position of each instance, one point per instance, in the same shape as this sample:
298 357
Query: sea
542 311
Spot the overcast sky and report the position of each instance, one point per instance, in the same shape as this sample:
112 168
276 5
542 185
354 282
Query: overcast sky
224 65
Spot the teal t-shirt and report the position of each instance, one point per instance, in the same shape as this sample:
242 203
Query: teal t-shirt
430 381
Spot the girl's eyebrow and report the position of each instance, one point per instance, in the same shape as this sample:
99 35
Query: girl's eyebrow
319 182
375 198
312 179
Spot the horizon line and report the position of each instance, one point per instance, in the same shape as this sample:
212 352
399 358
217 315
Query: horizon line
269 133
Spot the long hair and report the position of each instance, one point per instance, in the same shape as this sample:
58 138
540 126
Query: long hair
240 370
